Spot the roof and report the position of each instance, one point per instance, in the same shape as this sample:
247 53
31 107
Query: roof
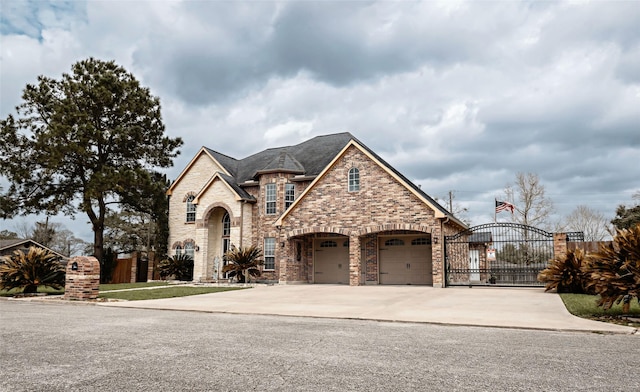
308 158
13 243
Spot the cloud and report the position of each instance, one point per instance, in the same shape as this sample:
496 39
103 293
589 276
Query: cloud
456 95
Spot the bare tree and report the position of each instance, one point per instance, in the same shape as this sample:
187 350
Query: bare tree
533 208
592 223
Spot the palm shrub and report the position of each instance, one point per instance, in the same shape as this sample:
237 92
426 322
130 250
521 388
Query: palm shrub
614 271
565 273
38 267
178 266
243 262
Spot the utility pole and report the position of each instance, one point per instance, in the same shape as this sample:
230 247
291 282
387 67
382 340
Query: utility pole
451 201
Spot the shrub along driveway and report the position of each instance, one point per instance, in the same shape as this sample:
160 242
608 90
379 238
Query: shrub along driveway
529 308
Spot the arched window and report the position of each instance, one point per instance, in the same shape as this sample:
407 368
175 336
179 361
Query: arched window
394 242
420 241
178 250
354 179
191 209
189 249
328 244
226 225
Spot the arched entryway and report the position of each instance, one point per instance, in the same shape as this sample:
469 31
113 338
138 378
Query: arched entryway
218 227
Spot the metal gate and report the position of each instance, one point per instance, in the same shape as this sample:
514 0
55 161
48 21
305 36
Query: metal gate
501 254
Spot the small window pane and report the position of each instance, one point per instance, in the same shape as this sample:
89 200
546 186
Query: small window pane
328 244
394 242
270 197
354 180
289 194
191 209
269 253
226 225
188 249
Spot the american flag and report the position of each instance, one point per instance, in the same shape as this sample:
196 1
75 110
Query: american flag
503 205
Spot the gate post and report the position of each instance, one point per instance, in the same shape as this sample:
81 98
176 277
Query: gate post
559 244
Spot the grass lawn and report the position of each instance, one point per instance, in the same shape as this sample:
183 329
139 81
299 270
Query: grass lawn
120 286
169 292
584 305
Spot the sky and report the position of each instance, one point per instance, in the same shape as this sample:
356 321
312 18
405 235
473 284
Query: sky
458 96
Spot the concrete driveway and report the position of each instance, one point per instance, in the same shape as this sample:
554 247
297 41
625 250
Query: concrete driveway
529 308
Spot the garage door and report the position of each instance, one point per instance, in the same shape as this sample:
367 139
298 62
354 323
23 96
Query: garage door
405 260
331 262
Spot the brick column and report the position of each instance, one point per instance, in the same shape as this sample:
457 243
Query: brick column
83 278
559 244
355 265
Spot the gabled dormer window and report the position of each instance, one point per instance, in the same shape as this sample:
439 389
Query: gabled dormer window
354 179
191 209
270 199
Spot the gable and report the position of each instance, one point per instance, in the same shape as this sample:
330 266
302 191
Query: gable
201 167
381 184
220 183
7 247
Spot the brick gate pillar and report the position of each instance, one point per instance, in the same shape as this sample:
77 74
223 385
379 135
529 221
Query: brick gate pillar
559 244
355 264
83 278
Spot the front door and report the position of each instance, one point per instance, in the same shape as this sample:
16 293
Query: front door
474 265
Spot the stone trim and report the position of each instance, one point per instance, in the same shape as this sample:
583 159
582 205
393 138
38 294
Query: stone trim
360 232
207 212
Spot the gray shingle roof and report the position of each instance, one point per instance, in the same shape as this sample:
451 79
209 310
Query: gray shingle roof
308 158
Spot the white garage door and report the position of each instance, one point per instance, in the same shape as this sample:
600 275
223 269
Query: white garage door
405 260
331 263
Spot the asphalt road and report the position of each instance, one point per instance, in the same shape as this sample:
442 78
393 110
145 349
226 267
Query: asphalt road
77 347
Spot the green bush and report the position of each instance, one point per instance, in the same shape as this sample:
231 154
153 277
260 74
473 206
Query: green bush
38 267
179 266
243 261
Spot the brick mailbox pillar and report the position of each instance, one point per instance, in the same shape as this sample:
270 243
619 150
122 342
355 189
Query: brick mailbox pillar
83 278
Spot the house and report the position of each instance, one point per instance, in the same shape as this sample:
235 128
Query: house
7 247
328 210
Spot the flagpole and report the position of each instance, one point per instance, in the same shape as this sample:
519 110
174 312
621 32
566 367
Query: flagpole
495 217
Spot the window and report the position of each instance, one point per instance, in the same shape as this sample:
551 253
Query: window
328 244
420 241
289 195
270 197
191 209
189 249
226 225
269 253
394 242
178 250
354 179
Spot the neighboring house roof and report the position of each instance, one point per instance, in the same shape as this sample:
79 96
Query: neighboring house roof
483 237
8 246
